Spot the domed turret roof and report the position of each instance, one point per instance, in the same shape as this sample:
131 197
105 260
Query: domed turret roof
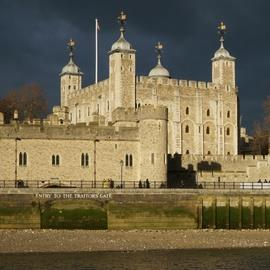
71 67
222 53
121 44
159 70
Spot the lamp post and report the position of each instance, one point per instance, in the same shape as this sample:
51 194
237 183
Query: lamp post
121 172
16 154
95 162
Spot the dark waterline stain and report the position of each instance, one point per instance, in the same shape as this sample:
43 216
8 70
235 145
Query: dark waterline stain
208 259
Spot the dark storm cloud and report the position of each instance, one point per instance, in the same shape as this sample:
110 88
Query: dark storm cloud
34 35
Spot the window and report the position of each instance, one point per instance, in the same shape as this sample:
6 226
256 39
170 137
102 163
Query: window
187 152
228 131
79 114
228 114
55 160
115 146
199 129
69 87
187 129
152 158
228 153
84 160
88 111
126 160
208 112
22 159
187 110
108 106
208 153
74 87
97 108
220 131
130 161
207 130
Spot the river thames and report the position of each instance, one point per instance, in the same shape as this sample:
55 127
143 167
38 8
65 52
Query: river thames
207 259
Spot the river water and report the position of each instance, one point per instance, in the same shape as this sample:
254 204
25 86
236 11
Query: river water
231 259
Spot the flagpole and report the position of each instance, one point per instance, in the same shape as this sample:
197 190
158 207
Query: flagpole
96 71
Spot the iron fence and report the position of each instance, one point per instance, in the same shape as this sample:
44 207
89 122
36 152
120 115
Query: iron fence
234 185
81 184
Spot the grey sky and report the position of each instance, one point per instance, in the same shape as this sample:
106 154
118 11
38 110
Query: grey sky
34 35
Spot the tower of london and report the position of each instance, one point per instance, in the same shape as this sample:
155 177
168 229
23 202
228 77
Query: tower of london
203 116
126 126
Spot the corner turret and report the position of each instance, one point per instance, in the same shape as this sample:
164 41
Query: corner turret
223 64
122 70
70 77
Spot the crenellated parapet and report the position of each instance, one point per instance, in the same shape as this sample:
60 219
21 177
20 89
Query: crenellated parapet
90 90
145 80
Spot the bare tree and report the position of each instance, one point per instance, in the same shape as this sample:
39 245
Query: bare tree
262 131
29 100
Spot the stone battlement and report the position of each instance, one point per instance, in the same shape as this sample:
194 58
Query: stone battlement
181 83
70 132
89 89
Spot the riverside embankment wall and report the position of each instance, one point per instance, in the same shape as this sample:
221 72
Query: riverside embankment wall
133 209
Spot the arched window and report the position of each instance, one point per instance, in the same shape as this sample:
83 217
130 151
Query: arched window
208 153
152 158
187 110
228 114
20 159
187 152
208 112
207 130
126 160
228 132
187 129
228 153
24 159
130 161
53 160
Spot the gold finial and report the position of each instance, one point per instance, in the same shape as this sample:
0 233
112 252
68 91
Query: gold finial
122 20
222 29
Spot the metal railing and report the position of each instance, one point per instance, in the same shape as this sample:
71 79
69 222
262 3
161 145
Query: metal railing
106 184
234 185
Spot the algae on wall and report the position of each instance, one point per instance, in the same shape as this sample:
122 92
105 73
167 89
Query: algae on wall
68 214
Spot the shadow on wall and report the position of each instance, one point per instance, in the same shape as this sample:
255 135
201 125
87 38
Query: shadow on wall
178 176
208 166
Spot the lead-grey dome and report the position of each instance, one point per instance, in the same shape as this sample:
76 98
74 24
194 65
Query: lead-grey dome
159 71
222 53
121 44
71 68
